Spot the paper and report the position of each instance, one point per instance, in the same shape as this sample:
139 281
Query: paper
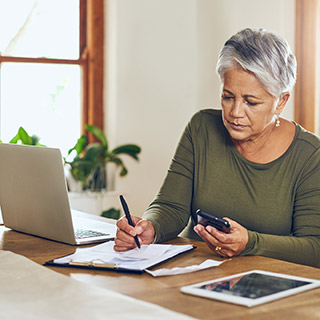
196 267
135 259
30 291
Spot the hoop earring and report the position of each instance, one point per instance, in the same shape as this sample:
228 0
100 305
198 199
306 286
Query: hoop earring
277 121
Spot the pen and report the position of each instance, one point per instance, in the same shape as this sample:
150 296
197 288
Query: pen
128 216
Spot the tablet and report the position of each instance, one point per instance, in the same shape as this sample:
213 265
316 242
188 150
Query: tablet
251 288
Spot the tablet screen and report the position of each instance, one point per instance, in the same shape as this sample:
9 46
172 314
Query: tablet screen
253 285
251 288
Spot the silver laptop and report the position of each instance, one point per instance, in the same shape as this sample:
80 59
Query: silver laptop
34 197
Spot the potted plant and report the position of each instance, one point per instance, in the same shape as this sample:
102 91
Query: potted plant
89 163
24 138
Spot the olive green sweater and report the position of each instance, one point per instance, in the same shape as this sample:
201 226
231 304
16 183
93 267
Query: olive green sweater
278 202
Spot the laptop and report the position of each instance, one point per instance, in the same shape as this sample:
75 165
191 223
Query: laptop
34 197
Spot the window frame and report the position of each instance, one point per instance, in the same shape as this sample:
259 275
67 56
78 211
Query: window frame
306 47
91 61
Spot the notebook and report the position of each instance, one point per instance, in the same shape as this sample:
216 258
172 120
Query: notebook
34 197
136 260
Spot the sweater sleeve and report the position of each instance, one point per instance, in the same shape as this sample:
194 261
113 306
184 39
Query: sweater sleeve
303 245
170 211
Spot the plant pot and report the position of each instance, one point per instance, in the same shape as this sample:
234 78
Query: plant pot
73 185
103 179
98 180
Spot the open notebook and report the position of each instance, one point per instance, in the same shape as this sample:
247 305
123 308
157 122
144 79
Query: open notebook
136 260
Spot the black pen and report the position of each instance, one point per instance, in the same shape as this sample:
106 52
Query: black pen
128 216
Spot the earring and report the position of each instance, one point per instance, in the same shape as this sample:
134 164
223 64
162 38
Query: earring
277 121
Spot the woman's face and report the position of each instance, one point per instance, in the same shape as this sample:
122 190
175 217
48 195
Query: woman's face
247 108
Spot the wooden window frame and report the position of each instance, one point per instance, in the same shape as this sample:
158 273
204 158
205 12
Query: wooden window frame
306 33
91 53
93 42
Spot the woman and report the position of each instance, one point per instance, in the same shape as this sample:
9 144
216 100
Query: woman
245 163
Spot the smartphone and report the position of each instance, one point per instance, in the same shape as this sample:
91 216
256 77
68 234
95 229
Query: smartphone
206 218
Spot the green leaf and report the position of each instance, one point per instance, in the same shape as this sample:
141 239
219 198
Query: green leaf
115 160
40 144
127 148
24 137
81 169
119 162
94 151
98 133
80 145
124 171
35 140
15 139
131 150
90 156
112 213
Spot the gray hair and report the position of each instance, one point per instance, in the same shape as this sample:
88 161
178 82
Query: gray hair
263 53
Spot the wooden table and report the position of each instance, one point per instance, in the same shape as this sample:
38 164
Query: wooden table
164 291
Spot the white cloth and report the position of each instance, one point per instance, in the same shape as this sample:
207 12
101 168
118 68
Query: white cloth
30 291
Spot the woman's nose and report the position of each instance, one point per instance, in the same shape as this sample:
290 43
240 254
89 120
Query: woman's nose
237 109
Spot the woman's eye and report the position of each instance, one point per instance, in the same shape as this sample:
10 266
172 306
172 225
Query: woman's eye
251 103
227 97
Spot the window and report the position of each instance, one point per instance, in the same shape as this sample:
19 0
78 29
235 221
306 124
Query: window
48 85
307 53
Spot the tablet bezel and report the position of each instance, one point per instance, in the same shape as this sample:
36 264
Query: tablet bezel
194 290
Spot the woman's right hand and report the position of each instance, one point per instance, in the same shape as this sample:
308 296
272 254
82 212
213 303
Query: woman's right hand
125 234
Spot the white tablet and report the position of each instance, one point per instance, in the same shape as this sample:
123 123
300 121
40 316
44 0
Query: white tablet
251 288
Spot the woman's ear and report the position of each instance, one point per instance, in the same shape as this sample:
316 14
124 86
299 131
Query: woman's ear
282 102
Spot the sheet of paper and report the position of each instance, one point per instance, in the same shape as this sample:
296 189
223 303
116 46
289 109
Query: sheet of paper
135 259
209 263
29 291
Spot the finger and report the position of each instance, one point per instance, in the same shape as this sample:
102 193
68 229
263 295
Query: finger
123 242
119 243
145 231
207 236
143 226
123 225
213 243
222 253
225 253
222 237
233 224
124 237
135 220
210 240
237 238
121 248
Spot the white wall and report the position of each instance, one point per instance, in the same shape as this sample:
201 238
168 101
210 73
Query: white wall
160 69
219 20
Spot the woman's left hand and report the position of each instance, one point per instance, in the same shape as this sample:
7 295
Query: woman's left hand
224 244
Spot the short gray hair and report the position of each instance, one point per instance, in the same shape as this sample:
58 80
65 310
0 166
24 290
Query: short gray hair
263 53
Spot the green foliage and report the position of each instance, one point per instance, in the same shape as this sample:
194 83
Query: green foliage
88 165
111 213
24 138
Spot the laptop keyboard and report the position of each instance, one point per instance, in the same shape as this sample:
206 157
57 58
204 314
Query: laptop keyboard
83 233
